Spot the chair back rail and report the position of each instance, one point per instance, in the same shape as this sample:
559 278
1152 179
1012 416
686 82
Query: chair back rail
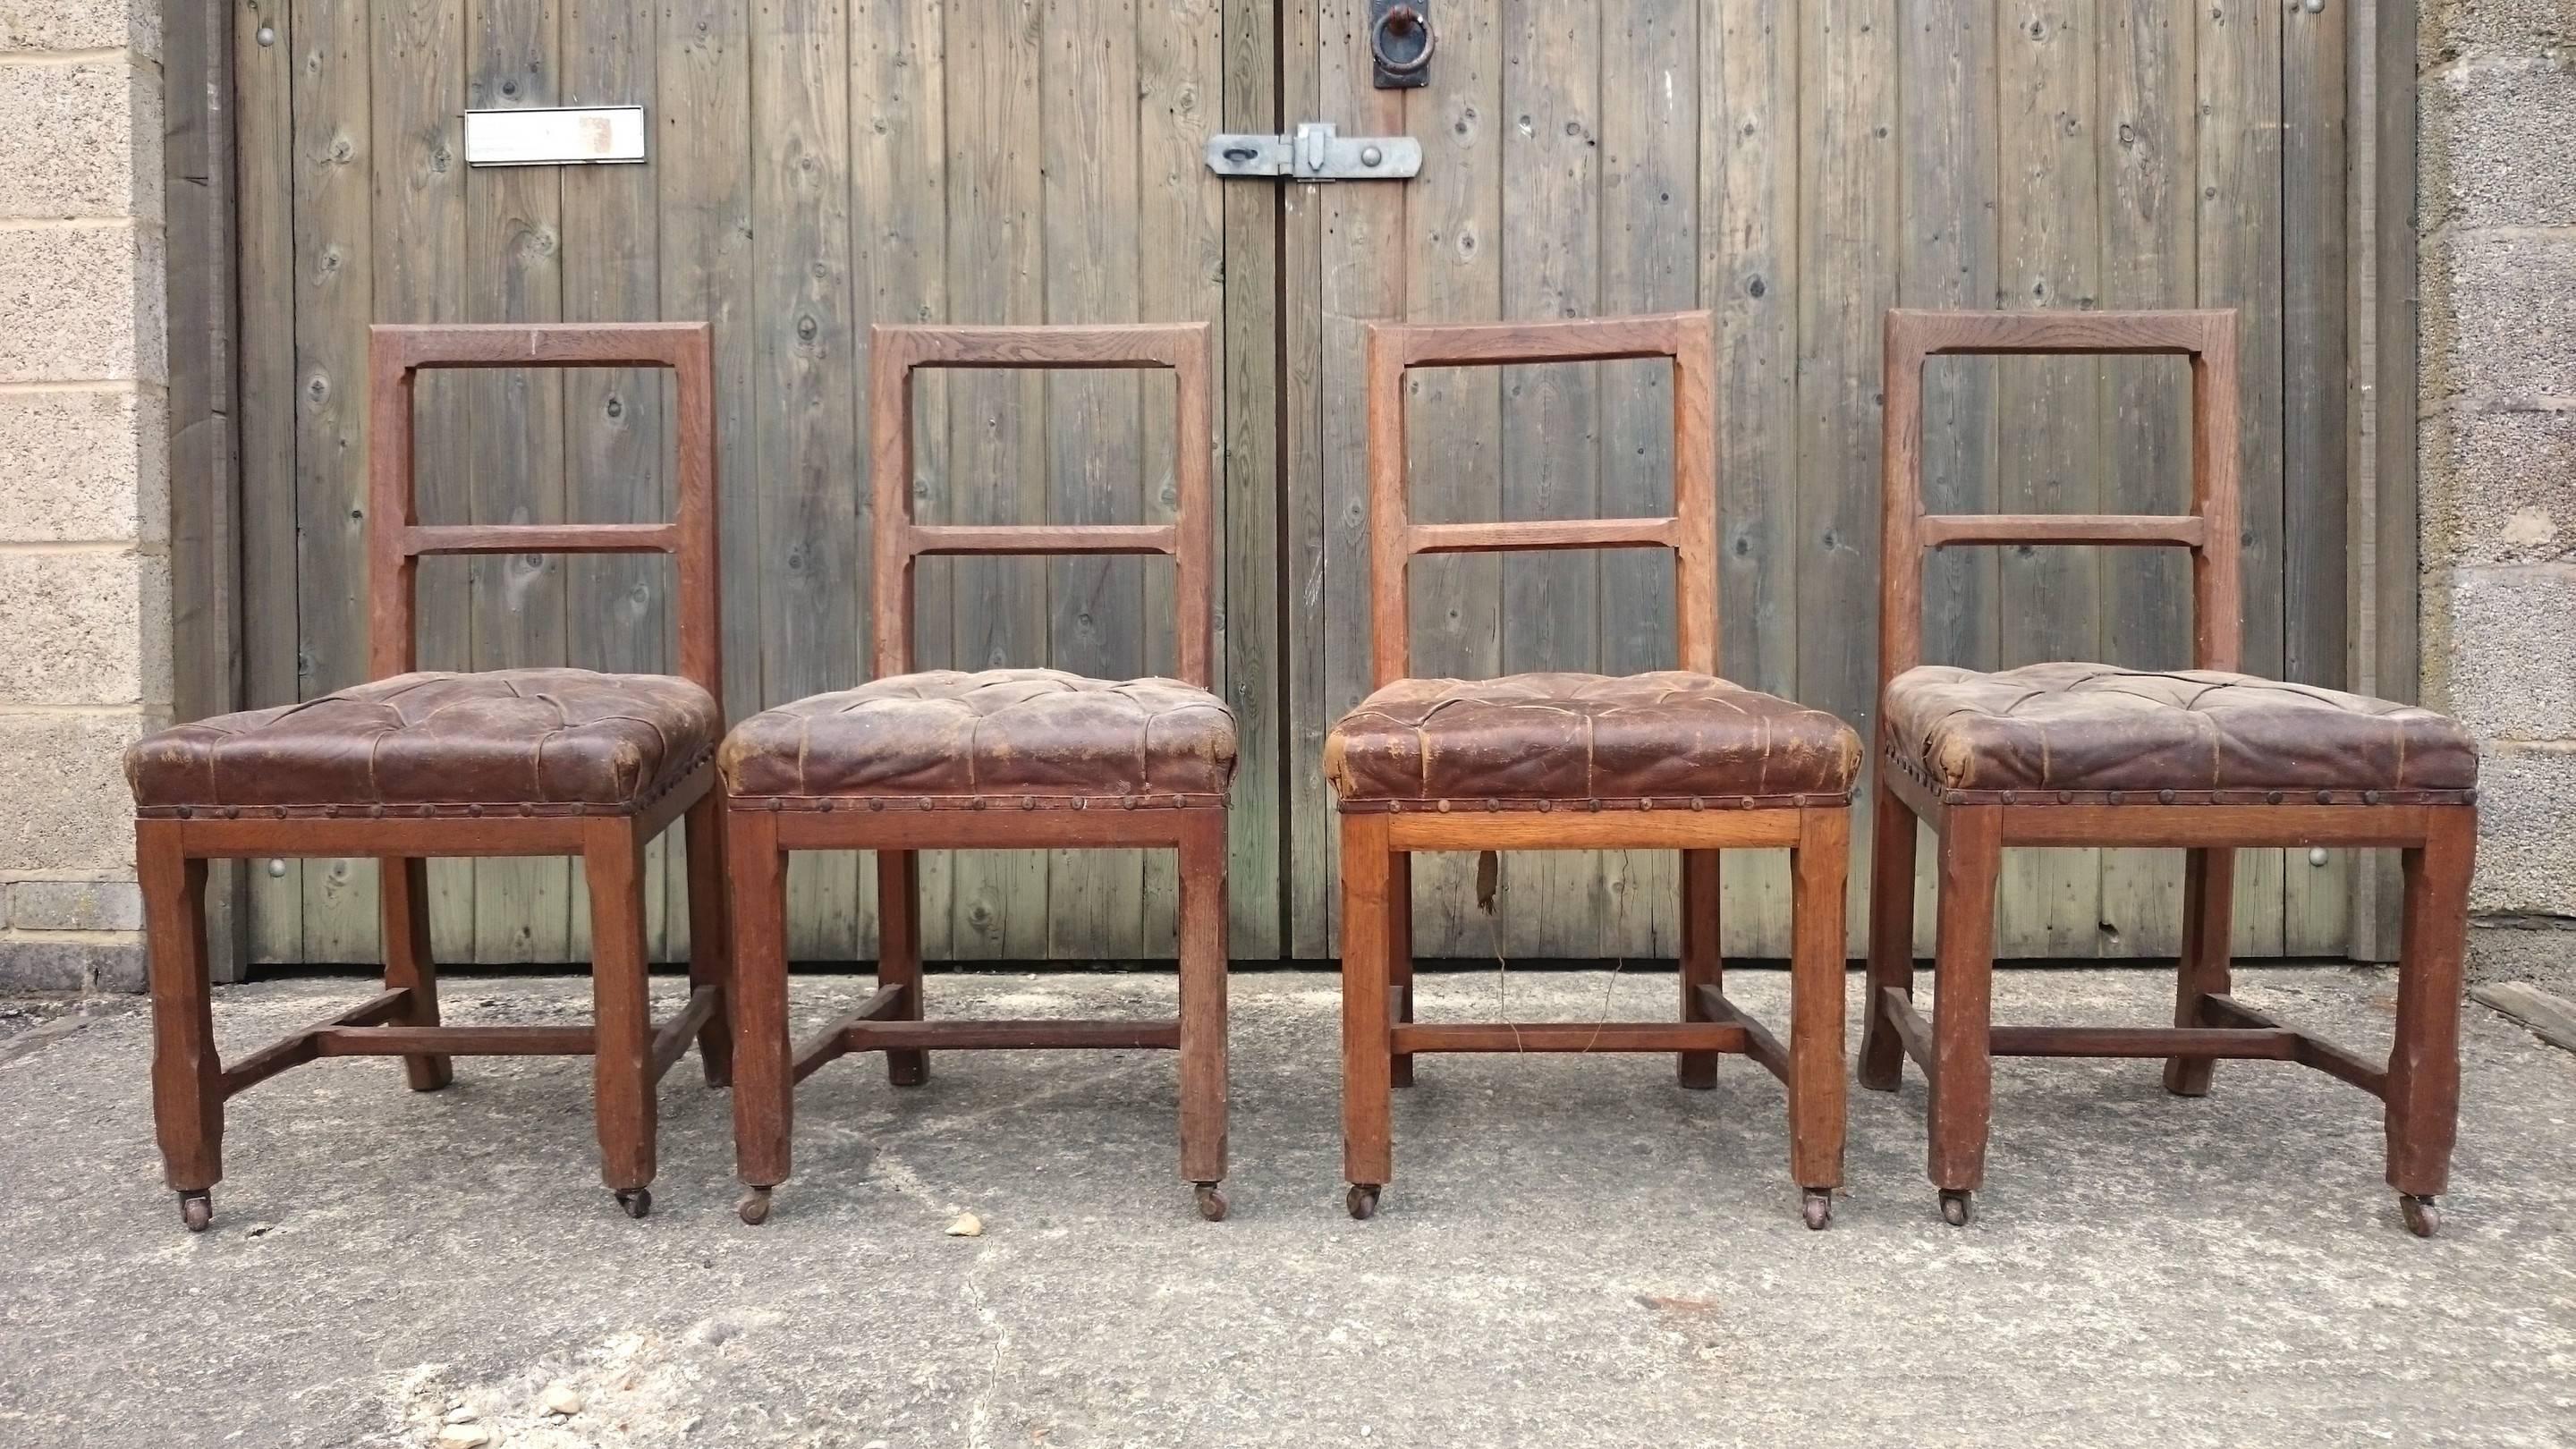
1688 339
396 538
1189 539
1908 535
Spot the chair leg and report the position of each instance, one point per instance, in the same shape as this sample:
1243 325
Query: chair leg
622 1054
403 897
1818 869
1203 1013
1891 939
1399 957
1367 1137
710 936
1962 1097
2208 917
2424 1064
764 1085
899 953
1701 963
187 1074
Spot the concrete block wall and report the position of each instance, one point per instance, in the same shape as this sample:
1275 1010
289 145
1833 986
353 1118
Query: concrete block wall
84 510
2497 118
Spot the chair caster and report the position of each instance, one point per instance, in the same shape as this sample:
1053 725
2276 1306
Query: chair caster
1818 1209
637 1201
197 1210
1212 1203
2423 1218
1362 1200
754 1207
1954 1206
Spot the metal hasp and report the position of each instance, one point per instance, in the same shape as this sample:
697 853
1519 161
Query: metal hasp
1315 153
1400 44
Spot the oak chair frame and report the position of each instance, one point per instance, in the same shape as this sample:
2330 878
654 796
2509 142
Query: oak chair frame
896 826
1379 1035
630 1053
2437 830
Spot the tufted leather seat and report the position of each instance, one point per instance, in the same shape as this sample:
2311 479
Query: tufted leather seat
2092 727
1665 737
558 737
1025 732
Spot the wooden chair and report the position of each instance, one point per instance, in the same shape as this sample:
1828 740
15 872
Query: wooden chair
1677 760
2206 760
1028 759
498 763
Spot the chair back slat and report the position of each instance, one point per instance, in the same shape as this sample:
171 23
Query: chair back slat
1908 535
1189 539
396 538
1688 339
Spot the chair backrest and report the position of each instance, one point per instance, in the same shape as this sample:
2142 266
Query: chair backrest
1689 339
1190 538
1908 535
396 538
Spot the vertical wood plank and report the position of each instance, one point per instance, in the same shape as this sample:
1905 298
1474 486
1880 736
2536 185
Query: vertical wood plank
1094 447
2239 45
997 420
2144 140
1254 611
1312 845
2316 458
420 258
334 161
1750 270
270 420
1649 210
2387 307
1551 416
2051 411
615 448
1952 152
1453 271
197 187
1181 276
805 404
1359 228
514 246
1847 232
702 191
899 223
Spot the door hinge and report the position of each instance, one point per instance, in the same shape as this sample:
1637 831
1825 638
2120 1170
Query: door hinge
1315 152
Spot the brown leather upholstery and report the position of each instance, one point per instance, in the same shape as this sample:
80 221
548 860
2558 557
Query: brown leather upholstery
2092 727
1001 732
1670 736
559 737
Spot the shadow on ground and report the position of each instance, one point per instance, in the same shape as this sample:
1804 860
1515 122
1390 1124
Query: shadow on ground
1572 1251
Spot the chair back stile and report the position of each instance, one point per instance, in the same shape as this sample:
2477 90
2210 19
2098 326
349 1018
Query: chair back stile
396 538
1687 339
2211 530
1189 539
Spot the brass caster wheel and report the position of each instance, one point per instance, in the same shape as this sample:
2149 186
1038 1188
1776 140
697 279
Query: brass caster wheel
1362 1200
197 1210
754 1207
638 1201
1954 1206
1818 1209
1212 1204
2423 1219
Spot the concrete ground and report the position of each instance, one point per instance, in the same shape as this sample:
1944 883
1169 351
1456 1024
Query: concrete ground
1573 1251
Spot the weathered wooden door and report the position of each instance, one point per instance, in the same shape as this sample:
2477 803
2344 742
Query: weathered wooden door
813 166
1798 169
817 165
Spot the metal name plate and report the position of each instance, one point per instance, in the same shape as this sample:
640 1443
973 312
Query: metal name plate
555 136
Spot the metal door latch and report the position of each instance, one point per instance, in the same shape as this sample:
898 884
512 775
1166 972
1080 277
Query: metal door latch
1315 153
